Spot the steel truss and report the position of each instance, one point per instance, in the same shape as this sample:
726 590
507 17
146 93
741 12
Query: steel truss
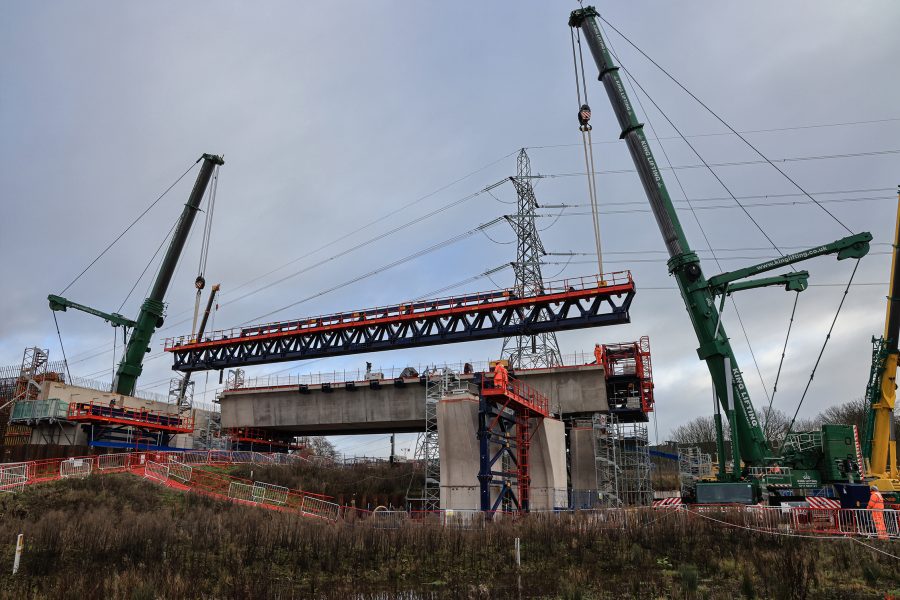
570 304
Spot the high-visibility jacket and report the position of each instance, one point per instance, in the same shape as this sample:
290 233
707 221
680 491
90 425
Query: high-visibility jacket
501 376
598 354
876 501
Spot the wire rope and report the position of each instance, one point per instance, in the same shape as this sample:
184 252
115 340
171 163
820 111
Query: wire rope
586 140
822 351
725 123
139 217
61 347
781 364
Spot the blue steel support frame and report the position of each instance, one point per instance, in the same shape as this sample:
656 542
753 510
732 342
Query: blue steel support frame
496 439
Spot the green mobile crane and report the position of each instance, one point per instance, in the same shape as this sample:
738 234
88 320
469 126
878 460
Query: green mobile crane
808 460
150 317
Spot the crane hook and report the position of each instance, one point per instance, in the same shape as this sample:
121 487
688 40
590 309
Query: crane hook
584 117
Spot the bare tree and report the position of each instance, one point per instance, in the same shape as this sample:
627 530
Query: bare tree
320 446
701 430
848 413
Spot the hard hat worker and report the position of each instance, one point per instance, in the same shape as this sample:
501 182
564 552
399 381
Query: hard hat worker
876 505
501 376
598 354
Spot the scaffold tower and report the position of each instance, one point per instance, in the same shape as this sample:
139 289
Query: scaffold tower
693 465
439 382
540 350
606 462
635 487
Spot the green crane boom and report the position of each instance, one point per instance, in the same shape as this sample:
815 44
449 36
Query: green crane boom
698 293
150 317
115 319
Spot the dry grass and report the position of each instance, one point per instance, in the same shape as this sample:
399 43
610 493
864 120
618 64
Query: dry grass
119 537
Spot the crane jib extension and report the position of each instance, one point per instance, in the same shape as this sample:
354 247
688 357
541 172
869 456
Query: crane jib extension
698 293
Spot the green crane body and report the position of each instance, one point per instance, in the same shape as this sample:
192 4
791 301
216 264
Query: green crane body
150 317
698 292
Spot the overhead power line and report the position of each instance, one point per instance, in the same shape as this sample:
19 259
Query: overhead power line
381 269
727 133
736 163
721 120
127 229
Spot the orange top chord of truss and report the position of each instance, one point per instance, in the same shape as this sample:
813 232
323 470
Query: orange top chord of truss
561 305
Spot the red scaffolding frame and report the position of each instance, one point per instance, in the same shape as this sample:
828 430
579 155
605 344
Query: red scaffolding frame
154 420
629 360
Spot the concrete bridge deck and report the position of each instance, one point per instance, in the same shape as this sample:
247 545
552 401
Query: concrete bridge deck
394 405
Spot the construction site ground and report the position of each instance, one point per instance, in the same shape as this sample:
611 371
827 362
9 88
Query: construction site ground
152 541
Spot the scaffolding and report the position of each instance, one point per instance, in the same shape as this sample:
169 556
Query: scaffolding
635 487
693 465
181 393
20 393
621 461
606 462
208 435
439 383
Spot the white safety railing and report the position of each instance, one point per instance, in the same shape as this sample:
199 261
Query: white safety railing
260 458
316 507
13 477
240 491
241 456
389 519
157 471
75 467
180 471
870 523
267 493
194 457
113 462
466 519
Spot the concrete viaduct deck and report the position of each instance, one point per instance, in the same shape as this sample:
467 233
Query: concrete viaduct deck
391 405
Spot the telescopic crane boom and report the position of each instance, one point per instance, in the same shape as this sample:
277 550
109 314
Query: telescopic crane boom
701 295
879 446
150 317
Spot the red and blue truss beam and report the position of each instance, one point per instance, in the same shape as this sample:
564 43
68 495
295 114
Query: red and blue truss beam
563 305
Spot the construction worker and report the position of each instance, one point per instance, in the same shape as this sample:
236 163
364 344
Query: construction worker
876 505
598 354
501 376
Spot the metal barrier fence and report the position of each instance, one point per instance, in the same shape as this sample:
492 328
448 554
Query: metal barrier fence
113 462
316 507
13 477
389 519
267 493
240 491
157 471
180 471
75 467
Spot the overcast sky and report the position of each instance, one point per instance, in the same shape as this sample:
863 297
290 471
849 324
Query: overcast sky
332 116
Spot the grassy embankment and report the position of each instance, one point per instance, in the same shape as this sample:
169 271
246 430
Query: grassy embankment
116 536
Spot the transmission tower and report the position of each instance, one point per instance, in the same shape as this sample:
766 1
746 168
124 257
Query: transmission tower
528 351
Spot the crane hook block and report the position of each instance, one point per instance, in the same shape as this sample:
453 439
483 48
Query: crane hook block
200 283
584 117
